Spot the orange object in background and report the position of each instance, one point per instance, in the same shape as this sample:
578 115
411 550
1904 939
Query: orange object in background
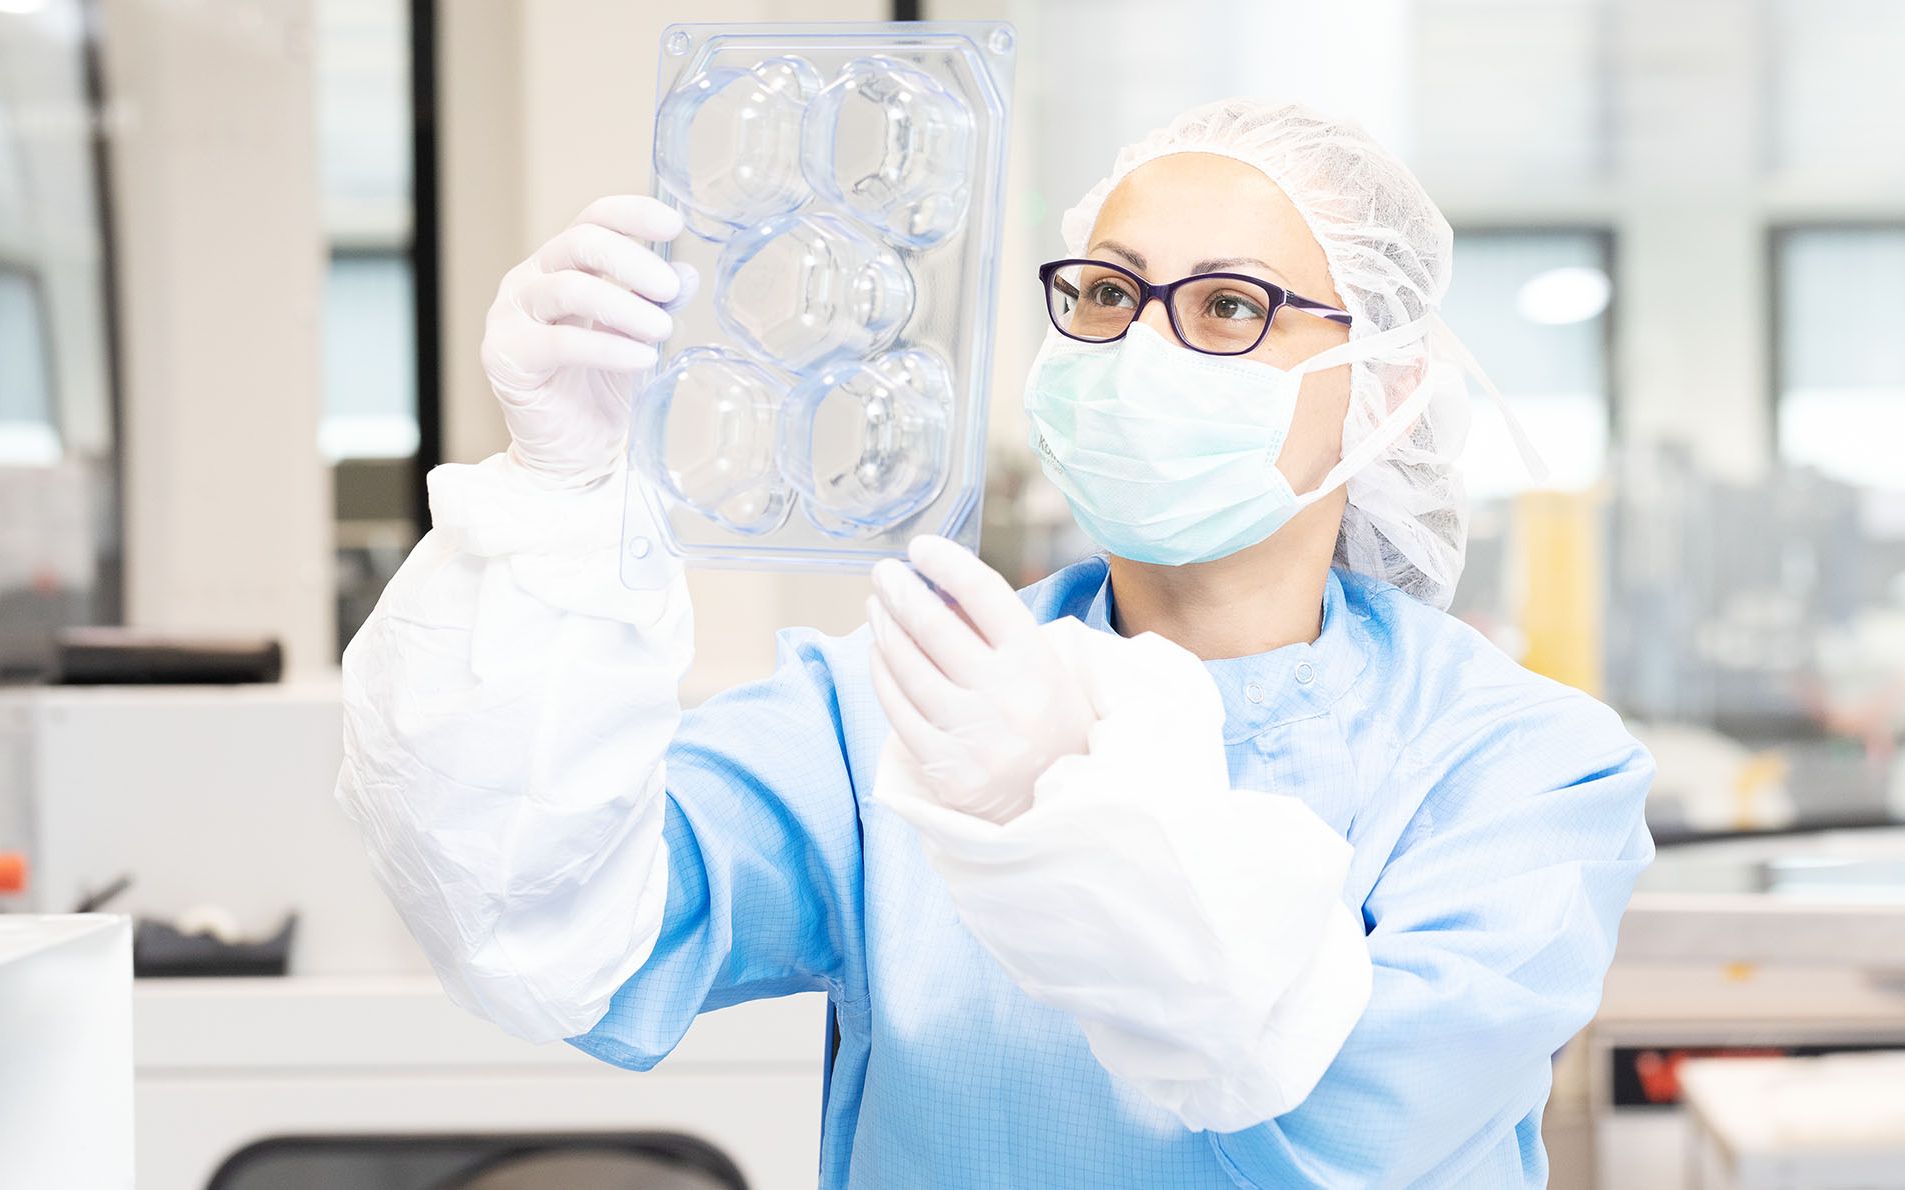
12 873
1559 578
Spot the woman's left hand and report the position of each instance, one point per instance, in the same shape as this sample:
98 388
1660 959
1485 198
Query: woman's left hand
983 702
1196 932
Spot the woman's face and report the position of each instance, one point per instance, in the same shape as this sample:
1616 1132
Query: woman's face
1201 213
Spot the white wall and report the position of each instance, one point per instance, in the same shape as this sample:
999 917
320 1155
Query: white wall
221 258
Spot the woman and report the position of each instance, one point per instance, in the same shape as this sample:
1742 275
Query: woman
1224 858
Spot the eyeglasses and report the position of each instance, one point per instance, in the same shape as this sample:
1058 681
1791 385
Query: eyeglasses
1215 313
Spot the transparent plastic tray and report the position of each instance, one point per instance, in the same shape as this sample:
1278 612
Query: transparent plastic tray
823 399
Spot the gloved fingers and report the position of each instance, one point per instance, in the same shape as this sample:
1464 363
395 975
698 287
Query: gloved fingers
920 738
941 634
638 215
946 763
594 249
930 691
525 359
554 297
690 285
981 592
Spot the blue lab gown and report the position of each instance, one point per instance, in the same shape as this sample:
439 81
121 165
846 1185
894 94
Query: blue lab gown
1496 821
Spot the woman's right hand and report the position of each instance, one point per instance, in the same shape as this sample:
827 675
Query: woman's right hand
570 329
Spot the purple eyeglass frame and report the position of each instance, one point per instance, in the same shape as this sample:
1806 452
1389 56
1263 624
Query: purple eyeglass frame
1147 291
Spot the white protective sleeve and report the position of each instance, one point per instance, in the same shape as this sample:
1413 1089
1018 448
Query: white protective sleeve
507 708
1196 932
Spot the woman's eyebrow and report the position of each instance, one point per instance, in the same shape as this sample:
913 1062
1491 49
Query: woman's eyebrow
1215 264
1131 254
1218 264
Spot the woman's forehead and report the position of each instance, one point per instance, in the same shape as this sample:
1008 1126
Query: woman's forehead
1180 212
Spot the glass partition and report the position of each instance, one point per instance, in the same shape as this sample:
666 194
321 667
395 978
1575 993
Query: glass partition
59 532
369 436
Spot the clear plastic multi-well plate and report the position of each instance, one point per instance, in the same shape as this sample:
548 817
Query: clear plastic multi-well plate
823 399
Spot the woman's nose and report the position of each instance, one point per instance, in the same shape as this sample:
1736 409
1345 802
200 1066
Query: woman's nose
1156 316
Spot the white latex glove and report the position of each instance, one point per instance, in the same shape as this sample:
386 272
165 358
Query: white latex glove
984 704
571 328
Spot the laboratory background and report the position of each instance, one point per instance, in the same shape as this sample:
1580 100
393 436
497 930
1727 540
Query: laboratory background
246 247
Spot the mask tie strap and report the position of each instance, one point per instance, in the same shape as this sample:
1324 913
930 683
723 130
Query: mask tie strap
1355 351
1447 342
1392 426
1380 440
1441 340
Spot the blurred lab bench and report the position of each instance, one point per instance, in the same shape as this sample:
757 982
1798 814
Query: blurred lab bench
1828 1123
222 796
1749 949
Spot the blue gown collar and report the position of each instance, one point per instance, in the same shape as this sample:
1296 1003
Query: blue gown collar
1267 690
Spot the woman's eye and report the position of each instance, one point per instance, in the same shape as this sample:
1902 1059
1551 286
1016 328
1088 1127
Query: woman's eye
1230 305
1106 294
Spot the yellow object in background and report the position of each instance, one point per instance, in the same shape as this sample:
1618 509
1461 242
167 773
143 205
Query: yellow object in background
1559 540
1760 784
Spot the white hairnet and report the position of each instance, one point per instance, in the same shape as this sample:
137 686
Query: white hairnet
1389 252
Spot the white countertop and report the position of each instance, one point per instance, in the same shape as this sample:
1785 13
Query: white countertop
338 1023
1837 1104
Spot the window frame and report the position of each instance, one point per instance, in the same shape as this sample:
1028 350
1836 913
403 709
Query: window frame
1607 236
406 495
12 269
108 593
1779 233
404 253
426 253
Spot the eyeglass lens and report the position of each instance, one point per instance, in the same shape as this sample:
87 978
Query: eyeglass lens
1216 314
